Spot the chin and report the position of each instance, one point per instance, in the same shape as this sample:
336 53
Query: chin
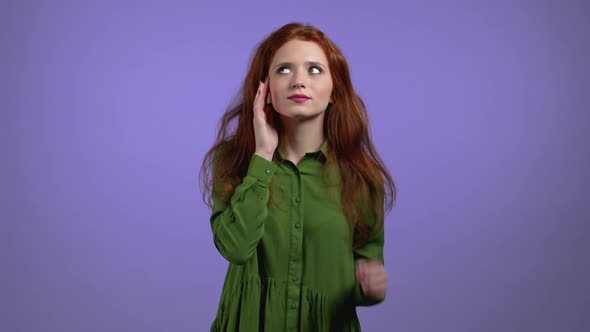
301 114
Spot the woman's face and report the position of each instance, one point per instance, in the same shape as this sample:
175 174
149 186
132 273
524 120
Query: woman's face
300 68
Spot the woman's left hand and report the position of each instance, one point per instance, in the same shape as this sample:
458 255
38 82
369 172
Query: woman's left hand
372 277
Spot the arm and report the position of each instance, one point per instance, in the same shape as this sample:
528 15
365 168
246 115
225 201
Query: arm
369 263
371 251
238 225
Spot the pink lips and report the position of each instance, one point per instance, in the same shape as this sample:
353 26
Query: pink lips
299 98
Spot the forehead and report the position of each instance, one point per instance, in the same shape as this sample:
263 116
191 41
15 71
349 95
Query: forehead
300 51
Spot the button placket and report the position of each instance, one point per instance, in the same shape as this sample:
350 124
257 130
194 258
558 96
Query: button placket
296 240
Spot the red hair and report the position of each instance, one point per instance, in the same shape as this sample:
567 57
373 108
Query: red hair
362 172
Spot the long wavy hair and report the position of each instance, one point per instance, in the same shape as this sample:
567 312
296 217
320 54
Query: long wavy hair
367 189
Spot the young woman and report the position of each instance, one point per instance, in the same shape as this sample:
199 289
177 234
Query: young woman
298 193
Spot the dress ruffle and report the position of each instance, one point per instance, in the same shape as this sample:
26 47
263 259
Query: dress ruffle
257 301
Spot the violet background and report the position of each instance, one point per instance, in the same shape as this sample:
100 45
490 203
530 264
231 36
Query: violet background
479 109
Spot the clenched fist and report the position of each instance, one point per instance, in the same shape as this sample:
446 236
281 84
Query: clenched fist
372 277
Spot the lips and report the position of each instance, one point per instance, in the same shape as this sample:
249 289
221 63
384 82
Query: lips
299 98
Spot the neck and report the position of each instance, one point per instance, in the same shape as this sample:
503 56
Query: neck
299 137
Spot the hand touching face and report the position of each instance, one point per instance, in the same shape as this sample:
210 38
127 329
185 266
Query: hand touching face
265 132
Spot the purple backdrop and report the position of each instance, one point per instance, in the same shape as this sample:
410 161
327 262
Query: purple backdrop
480 110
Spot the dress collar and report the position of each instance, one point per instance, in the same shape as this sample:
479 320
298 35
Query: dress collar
323 150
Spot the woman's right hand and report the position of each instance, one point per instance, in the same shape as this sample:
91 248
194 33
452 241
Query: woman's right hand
265 132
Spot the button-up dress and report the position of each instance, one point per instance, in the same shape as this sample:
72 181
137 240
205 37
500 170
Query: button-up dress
291 257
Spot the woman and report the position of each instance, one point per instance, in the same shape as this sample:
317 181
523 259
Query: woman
298 193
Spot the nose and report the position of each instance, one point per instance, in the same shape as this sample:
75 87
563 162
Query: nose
297 82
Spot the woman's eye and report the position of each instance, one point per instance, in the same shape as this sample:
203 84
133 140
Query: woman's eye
312 70
281 70
315 70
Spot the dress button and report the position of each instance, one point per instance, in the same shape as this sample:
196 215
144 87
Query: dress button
297 199
267 172
293 306
297 225
294 279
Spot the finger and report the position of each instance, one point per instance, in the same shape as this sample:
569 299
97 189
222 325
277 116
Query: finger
379 290
267 90
375 288
259 99
378 283
375 267
361 267
369 271
378 276
381 286
380 279
367 288
360 273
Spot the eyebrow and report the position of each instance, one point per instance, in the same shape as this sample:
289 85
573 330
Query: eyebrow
311 63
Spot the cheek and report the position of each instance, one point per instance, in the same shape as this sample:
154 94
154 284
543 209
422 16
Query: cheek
327 91
326 96
273 88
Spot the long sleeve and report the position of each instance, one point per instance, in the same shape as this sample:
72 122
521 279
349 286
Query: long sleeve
239 225
372 250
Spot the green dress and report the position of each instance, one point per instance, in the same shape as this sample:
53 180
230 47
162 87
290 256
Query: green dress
291 262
